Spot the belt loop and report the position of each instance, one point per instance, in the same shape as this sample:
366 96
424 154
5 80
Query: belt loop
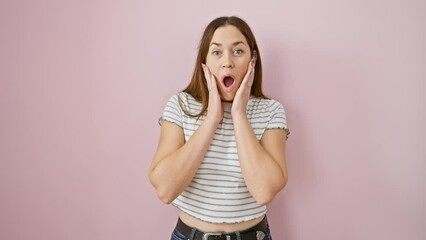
193 230
238 235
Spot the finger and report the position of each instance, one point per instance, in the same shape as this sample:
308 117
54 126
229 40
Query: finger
207 75
251 78
213 84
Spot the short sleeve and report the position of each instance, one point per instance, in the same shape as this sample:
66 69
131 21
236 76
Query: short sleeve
278 118
172 112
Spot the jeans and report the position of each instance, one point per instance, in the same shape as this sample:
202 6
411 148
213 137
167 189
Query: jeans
176 235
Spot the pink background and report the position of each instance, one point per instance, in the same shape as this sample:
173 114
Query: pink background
83 83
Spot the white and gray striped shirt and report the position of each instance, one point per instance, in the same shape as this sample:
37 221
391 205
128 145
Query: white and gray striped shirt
218 193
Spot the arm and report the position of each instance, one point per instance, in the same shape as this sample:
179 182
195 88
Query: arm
262 163
176 162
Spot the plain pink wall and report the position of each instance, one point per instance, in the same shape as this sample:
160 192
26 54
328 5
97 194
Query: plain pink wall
83 83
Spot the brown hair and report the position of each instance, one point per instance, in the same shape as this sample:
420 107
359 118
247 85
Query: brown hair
198 86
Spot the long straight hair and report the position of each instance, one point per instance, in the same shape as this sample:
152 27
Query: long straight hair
198 86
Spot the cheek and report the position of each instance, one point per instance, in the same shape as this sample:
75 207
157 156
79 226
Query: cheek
213 67
211 63
243 67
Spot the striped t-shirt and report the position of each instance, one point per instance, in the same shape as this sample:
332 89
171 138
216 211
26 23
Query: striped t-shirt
218 193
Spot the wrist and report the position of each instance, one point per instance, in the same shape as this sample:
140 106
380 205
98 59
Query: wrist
239 116
214 121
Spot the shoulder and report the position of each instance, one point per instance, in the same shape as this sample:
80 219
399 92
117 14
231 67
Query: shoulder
189 103
181 98
184 103
265 105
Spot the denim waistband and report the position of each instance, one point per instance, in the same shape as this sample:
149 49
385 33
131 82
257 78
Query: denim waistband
256 232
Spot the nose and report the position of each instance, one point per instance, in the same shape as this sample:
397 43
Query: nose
227 61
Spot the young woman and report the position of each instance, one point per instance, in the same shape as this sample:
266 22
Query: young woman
221 154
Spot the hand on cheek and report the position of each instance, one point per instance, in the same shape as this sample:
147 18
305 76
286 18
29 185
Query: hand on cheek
242 96
215 108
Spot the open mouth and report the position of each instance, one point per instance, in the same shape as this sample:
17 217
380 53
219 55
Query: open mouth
228 81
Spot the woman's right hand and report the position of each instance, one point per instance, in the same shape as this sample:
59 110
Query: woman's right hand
215 106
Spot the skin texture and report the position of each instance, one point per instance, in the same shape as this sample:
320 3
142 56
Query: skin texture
262 162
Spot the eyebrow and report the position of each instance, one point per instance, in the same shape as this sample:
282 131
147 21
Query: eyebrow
233 44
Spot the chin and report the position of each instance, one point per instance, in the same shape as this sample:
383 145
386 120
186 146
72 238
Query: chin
228 101
227 98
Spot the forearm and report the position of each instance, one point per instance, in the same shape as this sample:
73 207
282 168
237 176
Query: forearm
264 177
173 172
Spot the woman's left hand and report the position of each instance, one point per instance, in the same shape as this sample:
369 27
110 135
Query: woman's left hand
239 105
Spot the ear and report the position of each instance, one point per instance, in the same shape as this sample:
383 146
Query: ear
254 54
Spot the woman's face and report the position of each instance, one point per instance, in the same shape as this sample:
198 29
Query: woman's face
228 60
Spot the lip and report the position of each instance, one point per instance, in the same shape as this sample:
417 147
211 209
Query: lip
230 88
